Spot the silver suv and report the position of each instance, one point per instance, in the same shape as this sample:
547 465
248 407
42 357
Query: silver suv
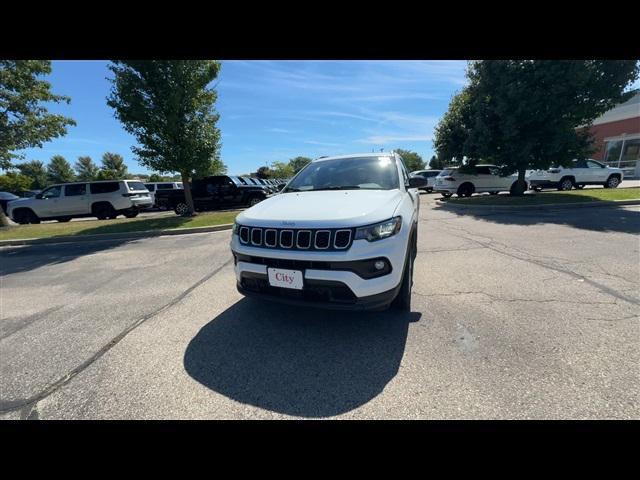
104 199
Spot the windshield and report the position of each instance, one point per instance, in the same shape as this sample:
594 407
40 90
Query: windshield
236 180
370 173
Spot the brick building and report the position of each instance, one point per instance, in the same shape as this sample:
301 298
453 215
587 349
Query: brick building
617 136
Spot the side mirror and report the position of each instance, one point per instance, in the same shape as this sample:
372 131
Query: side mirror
417 182
39 196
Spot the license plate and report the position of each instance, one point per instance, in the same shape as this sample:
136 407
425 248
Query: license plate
279 277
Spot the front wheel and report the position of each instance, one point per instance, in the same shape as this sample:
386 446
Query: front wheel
181 209
402 301
254 201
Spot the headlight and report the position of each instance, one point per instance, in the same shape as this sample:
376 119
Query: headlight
380 230
235 228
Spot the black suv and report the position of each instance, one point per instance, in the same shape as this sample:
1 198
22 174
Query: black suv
210 193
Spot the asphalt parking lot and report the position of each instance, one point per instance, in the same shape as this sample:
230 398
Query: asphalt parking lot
531 314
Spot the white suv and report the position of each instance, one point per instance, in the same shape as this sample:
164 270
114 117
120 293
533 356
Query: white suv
581 173
105 199
342 234
481 178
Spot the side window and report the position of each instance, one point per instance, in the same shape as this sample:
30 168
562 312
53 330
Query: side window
52 192
483 171
494 170
150 186
104 187
580 164
593 164
75 190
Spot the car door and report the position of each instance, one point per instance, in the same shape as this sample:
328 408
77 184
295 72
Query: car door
597 172
75 200
483 180
49 203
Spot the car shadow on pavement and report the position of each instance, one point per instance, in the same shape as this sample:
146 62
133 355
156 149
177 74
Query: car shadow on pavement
30 257
607 218
298 361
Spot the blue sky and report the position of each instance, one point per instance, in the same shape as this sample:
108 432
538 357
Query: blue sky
276 110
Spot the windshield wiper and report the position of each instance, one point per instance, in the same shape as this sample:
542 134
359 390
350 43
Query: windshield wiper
341 187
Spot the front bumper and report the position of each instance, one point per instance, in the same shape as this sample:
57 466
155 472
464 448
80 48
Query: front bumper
331 288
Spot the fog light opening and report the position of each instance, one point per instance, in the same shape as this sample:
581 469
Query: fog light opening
379 264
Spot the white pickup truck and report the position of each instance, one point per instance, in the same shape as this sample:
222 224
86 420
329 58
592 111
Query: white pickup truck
341 234
581 173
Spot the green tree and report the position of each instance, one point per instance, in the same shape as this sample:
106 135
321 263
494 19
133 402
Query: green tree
525 114
113 166
154 177
412 160
15 182
264 172
24 120
86 169
299 163
59 170
168 106
436 164
281 170
215 167
36 171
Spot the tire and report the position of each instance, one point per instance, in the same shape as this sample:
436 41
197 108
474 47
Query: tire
565 184
25 216
493 193
446 194
466 190
429 190
579 187
104 211
612 182
64 220
402 302
131 214
181 209
254 201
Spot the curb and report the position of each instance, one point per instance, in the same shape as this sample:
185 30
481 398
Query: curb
548 206
113 236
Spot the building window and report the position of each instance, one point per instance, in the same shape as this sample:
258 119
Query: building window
612 150
631 150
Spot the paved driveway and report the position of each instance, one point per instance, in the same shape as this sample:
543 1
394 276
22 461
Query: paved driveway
515 315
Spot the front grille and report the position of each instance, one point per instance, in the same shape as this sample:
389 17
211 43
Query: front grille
296 239
313 291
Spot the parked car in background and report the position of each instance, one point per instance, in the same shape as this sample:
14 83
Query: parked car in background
481 178
430 176
102 199
342 234
5 198
212 192
579 174
155 186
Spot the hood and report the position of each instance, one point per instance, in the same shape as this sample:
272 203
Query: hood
339 208
19 201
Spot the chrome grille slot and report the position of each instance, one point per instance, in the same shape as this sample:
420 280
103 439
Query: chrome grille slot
342 239
286 238
323 239
256 236
303 239
244 234
271 237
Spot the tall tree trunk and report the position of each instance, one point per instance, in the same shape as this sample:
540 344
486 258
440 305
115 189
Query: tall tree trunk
521 183
4 221
187 192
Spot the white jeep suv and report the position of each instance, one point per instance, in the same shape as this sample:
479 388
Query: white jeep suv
342 234
579 174
104 199
477 179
